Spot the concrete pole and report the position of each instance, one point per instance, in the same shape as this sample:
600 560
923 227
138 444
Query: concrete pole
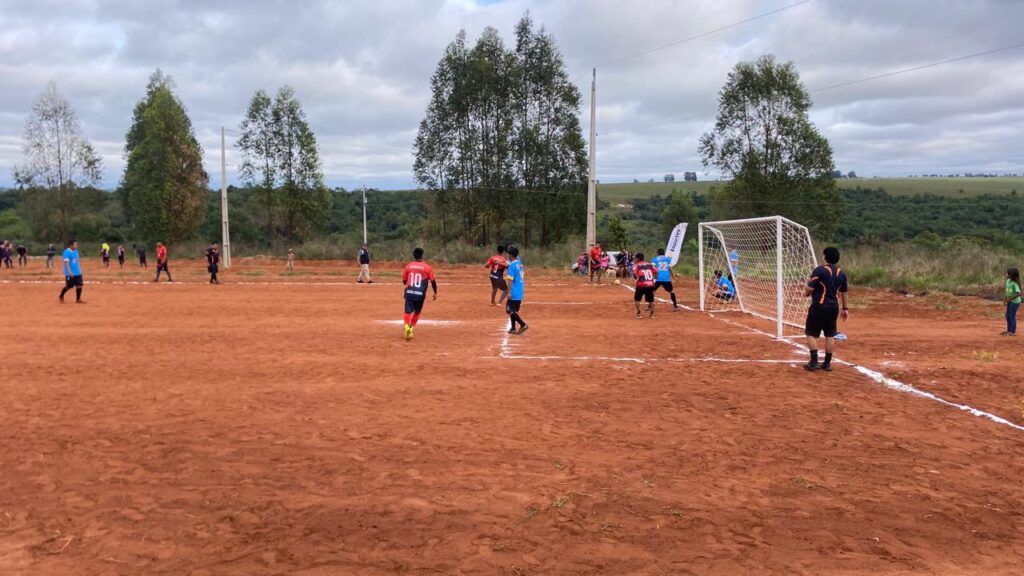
225 228
592 176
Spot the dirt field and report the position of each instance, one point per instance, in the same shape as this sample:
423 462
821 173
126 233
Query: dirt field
277 424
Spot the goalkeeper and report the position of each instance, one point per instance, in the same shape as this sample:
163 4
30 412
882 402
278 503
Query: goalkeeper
827 287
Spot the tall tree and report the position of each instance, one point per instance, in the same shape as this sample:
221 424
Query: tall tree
59 159
500 142
281 164
259 156
763 139
164 187
305 200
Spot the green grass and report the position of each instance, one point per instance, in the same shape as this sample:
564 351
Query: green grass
942 186
619 193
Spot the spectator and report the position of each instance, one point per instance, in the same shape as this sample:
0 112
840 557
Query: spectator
364 264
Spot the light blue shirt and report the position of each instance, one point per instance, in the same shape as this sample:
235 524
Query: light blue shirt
734 261
664 266
72 267
515 271
724 283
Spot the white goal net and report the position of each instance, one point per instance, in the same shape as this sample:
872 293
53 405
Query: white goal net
758 266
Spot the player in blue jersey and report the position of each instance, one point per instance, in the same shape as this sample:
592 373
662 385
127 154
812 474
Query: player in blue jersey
516 283
665 275
734 263
72 272
724 290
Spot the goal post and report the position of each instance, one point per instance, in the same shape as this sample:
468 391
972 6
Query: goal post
758 266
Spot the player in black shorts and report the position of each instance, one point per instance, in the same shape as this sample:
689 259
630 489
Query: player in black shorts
645 273
827 288
213 262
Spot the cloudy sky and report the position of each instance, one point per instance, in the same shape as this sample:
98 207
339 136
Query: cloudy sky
361 69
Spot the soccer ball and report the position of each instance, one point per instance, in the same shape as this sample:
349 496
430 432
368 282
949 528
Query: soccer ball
617 281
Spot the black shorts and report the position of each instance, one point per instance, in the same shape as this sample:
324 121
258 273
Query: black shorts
160 267
646 293
414 305
666 284
73 281
212 268
498 283
821 318
512 306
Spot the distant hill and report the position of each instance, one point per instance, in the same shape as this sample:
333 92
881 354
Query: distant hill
953 187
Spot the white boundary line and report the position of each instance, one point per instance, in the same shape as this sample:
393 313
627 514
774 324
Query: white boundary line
891 383
58 281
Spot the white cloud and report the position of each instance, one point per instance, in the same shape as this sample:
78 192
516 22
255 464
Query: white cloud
362 70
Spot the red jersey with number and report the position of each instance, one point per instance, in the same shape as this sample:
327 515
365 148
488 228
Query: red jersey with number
161 254
645 273
595 255
416 276
497 264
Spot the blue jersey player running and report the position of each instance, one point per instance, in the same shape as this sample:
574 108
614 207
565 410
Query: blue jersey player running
514 276
665 275
72 272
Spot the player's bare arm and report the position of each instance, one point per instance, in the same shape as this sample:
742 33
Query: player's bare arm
845 307
433 284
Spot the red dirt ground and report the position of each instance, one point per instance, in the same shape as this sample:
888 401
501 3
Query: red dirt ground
273 425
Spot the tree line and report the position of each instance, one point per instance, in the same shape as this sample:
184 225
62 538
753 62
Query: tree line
164 191
500 146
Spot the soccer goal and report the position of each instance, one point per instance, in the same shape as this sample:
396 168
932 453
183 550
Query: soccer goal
758 266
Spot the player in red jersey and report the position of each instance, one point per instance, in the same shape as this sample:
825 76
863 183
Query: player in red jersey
497 265
415 277
645 273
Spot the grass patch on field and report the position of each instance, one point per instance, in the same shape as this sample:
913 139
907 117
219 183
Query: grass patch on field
983 356
253 273
296 273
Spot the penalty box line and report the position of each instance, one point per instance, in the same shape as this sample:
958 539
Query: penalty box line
888 382
506 353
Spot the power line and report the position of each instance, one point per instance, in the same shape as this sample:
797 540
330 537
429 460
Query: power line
915 68
841 84
703 34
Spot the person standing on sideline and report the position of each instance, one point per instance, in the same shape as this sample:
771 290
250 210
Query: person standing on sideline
212 262
72 273
120 255
6 251
517 285
105 254
291 260
1012 301
161 262
140 251
827 287
663 264
22 256
364 264
595 262
734 263
50 253
415 277
497 265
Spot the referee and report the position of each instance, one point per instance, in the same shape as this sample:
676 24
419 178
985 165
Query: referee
827 288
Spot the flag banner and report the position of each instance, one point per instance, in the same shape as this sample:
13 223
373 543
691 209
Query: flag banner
675 242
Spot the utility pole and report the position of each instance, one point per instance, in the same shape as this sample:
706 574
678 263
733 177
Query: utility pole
225 229
592 176
364 215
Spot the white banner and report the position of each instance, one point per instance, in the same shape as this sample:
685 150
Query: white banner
675 242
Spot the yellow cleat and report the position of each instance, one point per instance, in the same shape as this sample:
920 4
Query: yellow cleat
408 332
